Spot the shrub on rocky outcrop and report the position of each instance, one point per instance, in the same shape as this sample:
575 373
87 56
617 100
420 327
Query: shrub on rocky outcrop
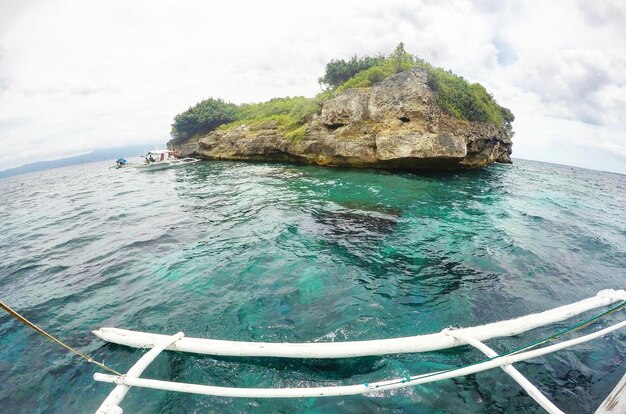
202 118
290 114
339 71
455 95
467 101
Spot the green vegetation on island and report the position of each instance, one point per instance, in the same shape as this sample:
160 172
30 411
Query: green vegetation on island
203 118
470 102
290 114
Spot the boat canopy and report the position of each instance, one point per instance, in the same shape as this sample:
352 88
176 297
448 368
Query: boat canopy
159 152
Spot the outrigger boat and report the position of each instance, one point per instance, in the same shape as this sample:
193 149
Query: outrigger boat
615 403
161 159
447 338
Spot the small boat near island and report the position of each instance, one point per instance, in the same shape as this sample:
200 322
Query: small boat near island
162 159
120 163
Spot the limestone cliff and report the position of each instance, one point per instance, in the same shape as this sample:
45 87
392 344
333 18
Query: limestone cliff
395 124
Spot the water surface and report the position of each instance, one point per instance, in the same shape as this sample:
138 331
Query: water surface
277 252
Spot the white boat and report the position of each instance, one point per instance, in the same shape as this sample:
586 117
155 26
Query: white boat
162 159
447 338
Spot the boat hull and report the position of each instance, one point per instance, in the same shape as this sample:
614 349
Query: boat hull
162 165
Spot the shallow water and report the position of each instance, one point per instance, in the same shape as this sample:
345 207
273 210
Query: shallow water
276 252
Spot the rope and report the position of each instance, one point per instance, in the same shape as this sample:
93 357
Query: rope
581 325
28 323
568 330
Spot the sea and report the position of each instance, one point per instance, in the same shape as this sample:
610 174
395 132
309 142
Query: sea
296 253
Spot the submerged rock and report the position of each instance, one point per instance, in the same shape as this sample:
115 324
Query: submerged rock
396 124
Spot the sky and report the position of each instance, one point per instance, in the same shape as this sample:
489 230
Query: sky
81 75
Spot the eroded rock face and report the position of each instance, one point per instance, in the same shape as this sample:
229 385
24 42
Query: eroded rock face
395 124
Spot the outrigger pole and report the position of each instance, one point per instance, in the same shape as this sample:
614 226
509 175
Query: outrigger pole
411 344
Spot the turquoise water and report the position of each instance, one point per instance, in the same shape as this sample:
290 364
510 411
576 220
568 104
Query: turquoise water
273 252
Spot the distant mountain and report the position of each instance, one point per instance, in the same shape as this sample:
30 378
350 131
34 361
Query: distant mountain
96 155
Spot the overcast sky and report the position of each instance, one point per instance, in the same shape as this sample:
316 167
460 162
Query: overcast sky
80 75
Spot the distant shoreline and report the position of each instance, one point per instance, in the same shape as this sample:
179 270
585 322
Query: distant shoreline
101 154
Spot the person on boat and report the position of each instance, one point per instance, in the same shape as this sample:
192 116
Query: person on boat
162 156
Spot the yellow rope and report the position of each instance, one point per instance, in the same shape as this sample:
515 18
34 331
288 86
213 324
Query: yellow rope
28 323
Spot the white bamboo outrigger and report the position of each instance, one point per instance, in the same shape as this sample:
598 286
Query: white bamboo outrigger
447 338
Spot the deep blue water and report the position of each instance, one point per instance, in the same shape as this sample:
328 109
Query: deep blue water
274 252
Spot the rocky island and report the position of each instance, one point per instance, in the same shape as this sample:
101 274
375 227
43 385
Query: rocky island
394 112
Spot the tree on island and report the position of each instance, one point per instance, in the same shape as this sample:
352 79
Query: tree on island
203 118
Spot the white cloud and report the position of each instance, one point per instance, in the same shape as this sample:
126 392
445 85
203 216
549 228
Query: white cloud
604 13
577 84
77 75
